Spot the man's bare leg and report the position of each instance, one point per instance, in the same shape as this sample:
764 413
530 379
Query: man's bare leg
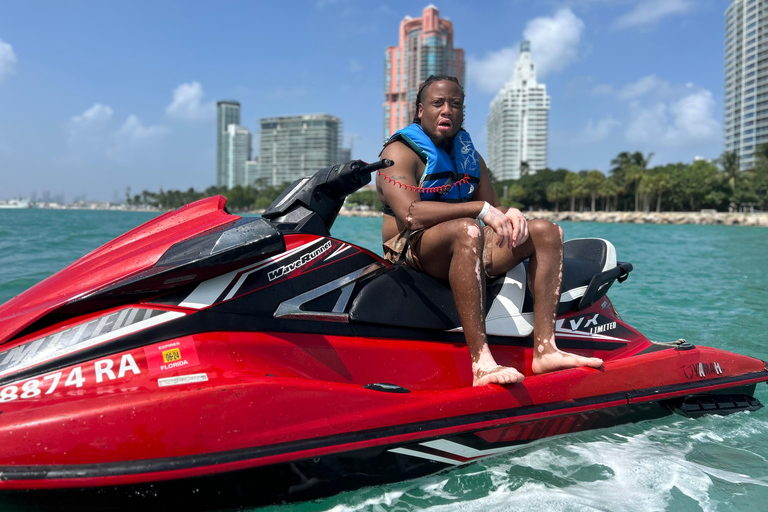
544 247
463 241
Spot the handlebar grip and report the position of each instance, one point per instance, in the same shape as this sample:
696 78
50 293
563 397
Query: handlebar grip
375 166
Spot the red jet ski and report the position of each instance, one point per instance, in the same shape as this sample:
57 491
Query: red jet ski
208 361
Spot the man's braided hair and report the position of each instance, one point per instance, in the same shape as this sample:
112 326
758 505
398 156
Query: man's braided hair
429 81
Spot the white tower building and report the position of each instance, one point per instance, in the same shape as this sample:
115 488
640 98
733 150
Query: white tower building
746 79
518 122
227 113
238 146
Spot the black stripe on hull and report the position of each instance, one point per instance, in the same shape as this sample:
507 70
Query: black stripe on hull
294 481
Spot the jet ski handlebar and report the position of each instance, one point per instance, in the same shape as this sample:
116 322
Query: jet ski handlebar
311 204
375 166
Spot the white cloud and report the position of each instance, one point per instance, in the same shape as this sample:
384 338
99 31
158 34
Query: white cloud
92 134
554 45
649 12
554 41
595 132
133 132
7 60
689 120
96 114
89 127
642 87
492 71
188 103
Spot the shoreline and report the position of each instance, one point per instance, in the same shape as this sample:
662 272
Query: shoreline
756 219
759 219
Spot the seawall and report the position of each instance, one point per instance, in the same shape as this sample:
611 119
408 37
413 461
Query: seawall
721 218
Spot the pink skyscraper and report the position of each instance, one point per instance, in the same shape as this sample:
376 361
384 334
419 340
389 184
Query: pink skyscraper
426 48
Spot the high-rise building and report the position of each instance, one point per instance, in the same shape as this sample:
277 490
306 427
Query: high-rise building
746 78
227 113
292 147
238 145
251 171
426 48
518 122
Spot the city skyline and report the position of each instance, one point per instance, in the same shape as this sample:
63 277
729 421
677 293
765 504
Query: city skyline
134 104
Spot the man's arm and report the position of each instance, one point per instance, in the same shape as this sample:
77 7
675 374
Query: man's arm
486 192
410 211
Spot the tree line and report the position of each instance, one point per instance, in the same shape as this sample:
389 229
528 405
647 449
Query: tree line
631 185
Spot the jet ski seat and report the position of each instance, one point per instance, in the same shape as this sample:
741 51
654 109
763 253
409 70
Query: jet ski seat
417 300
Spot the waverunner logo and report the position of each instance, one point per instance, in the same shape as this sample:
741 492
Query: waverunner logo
306 258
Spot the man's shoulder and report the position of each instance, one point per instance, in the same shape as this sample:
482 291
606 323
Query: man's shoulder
398 149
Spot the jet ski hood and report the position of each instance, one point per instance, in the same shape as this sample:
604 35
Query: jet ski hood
136 251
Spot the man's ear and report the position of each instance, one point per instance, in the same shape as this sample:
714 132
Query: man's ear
420 111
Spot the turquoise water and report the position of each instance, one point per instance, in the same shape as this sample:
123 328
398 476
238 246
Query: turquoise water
706 284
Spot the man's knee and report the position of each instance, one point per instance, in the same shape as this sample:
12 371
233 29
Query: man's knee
546 233
468 235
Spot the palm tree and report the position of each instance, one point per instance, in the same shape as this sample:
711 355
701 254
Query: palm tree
619 165
632 176
729 162
591 183
573 183
556 192
607 189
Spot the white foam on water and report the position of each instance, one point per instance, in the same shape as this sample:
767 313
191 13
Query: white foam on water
632 473
372 504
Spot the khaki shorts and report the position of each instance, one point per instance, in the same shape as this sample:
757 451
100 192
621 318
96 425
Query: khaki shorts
400 249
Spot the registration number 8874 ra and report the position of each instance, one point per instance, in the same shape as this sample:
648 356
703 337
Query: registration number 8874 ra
103 370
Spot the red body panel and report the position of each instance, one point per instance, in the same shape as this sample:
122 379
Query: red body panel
136 250
267 389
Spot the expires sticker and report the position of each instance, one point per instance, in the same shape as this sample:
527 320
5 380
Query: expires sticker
171 355
183 379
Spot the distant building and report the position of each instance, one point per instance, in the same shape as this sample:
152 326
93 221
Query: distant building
227 113
426 48
251 171
238 145
518 122
746 79
345 154
292 147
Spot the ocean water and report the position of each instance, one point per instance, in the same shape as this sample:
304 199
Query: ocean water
707 284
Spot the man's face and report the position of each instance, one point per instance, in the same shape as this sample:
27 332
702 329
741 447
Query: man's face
442 111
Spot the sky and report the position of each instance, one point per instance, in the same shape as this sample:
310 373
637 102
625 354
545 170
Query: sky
97 97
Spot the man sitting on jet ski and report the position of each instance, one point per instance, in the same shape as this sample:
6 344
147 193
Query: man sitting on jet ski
435 194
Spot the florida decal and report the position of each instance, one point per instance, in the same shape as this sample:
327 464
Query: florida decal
171 355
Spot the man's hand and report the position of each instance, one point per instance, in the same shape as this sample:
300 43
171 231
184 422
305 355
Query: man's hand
520 226
502 226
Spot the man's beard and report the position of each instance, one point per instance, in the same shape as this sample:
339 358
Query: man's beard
441 141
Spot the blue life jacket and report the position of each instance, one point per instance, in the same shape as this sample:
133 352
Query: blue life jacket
443 169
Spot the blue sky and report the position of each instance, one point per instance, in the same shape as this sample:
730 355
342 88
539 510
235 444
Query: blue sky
99 96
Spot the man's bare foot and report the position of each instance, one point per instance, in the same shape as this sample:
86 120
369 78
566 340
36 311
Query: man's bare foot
559 360
496 375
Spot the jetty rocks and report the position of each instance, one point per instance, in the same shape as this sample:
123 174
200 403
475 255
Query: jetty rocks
703 217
